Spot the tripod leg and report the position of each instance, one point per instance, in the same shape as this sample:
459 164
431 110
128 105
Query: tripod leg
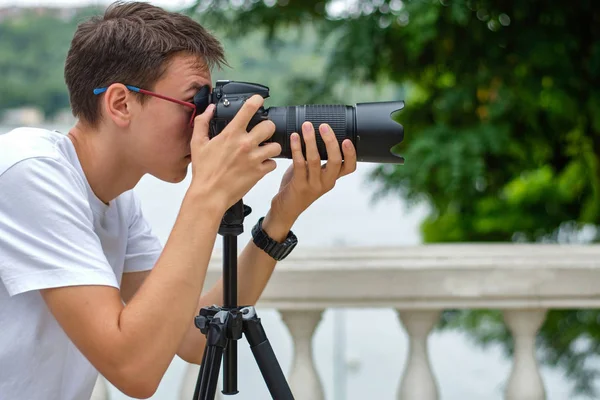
200 374
265 356
207 392
216 341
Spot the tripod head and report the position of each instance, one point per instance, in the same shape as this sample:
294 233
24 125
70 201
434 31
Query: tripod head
233 219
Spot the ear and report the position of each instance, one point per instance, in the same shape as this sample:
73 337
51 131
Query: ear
119 104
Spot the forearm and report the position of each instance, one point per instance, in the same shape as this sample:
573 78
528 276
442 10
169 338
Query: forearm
156 319
255 268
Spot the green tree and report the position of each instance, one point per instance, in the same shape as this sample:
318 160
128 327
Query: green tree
502 122
33 48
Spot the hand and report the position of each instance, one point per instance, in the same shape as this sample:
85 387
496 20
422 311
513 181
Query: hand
306 180
228 166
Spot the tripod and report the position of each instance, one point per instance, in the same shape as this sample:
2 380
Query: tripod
223 326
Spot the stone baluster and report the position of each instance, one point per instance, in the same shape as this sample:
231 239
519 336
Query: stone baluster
525 381
418 382
303 378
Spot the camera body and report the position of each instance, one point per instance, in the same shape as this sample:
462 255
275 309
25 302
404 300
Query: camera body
228 98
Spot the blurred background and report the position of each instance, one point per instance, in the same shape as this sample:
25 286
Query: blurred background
502 144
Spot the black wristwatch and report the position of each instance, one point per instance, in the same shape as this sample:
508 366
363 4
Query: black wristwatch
277 250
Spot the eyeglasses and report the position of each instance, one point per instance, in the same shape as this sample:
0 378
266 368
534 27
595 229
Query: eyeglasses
98 91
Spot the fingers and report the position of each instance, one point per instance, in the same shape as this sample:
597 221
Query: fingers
298 158
268 150
313 159
247 111
200 135
334 156
268 166
349 164
262 131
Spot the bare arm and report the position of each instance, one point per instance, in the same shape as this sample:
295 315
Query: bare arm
133 346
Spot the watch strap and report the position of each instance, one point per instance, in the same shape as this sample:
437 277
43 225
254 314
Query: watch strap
275 249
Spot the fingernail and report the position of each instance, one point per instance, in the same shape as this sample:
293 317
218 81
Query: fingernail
294 138
306 126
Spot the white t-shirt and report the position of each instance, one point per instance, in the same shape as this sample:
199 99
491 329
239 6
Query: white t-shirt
55 232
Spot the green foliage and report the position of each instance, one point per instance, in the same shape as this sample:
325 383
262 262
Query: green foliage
502 129
498 98
33 49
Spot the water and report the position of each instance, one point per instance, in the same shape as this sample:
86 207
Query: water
374 358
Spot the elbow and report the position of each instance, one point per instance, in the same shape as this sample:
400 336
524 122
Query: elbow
135 373
143 391
135 381
192 351
190 358
137 387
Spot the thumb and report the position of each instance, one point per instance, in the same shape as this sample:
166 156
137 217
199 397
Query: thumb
201 125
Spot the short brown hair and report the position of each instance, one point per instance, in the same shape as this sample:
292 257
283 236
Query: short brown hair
131 44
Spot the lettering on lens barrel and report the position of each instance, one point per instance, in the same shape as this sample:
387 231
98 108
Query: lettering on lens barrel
369 125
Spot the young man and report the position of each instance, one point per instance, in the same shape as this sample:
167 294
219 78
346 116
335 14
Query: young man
85 286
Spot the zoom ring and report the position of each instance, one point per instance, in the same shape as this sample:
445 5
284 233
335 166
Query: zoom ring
335 116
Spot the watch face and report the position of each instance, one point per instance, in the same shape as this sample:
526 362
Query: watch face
288 246
285 251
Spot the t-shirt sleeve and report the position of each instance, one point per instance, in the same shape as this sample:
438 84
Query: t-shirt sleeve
143 246
47 237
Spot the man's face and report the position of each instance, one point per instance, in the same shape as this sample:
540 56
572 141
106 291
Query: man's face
162 132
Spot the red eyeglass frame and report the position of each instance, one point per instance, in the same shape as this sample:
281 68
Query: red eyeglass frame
98 91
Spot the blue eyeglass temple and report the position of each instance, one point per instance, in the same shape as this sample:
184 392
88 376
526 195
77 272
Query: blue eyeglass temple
102 90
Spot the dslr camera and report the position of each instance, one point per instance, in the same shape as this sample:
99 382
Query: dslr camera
369 126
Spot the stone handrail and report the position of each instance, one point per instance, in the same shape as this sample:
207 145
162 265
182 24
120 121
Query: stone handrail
522 280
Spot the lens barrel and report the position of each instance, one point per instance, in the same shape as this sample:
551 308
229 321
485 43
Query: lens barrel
369 126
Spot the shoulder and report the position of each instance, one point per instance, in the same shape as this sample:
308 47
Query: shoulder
30 157
28 143
35 184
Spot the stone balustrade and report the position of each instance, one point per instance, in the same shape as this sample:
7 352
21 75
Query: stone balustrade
522 280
